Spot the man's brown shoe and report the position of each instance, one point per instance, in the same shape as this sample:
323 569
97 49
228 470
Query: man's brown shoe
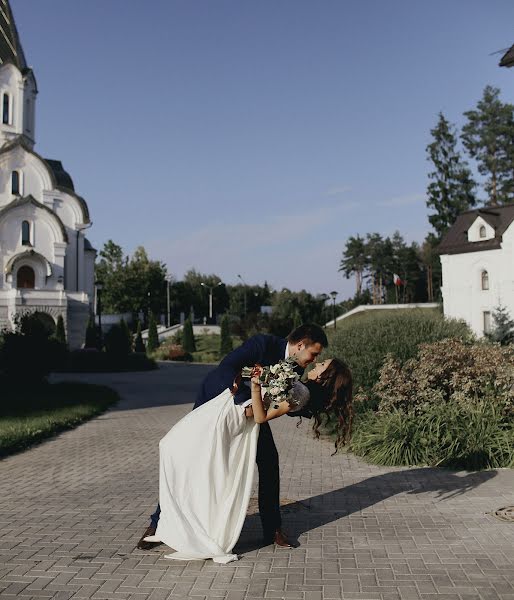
280 540
142 545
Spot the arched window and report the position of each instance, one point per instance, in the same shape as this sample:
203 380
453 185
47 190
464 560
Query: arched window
5 109
485 280
481 231
15 182
26 278
25 233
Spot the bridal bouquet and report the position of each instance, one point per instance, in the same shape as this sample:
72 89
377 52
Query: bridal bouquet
276 381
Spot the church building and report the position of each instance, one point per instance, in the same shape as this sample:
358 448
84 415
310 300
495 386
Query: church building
46 261
477 259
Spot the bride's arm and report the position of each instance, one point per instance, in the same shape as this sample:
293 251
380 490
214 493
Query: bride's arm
260 414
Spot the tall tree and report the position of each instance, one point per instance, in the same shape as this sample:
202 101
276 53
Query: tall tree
451 190
354 260
488 137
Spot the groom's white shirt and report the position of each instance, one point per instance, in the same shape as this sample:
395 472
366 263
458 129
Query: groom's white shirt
249 402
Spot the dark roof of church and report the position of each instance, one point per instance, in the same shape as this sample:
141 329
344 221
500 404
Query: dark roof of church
508 58
10 46
456 239
62 177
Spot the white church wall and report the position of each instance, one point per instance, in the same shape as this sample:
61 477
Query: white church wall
463 296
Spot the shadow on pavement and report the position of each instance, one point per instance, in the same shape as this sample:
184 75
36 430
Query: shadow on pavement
309 513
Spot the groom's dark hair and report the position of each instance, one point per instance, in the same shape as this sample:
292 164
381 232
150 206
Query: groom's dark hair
314 334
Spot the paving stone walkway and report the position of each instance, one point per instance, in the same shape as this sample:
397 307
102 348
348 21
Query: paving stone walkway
72 509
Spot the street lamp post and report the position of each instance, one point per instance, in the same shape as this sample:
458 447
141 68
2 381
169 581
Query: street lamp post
211 288
99 287
334 295
244 292
168 281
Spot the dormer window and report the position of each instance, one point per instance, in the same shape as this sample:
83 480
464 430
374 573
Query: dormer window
485 280
6 117
25 233
15 183
482 232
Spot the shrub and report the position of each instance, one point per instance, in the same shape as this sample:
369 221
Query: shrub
447 435
448 371
139 345
188 338
503 330
225 337
364 342
92 340
172 352
94 361
153 336
126 331
60 332
116 341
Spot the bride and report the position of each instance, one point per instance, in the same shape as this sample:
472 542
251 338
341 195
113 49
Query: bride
207 461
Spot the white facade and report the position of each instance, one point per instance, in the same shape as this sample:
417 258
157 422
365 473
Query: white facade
475 282
46 263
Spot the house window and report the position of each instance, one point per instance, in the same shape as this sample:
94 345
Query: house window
485 280
15 182
25 233
5 109
481 231
26 278
487 321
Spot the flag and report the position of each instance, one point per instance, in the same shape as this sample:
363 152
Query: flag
397 280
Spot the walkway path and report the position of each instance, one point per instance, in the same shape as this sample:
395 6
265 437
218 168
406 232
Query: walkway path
72 509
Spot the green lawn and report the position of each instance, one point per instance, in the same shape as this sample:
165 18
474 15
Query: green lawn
28 416
208 348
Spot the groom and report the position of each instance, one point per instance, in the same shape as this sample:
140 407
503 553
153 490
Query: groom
305 343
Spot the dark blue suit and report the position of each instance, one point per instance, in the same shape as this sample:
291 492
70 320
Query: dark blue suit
264 350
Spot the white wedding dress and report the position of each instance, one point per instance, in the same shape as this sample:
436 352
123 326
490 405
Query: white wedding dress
207 462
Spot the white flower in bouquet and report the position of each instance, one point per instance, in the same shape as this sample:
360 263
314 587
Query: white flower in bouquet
276 381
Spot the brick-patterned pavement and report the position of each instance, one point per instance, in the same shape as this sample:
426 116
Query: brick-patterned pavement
73 508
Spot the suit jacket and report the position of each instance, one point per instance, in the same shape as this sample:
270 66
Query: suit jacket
262 349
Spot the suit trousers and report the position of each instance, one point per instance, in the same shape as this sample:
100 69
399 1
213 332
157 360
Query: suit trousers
269 484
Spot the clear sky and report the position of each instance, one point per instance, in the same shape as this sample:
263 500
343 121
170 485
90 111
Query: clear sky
254 137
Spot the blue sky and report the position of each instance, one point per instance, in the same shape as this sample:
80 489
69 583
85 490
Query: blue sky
254 137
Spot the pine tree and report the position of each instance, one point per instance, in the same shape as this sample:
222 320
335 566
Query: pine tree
126 331
60 332
503 330
451 190
153 336
226 339
91 334
188 338
139 345
354 260
488 137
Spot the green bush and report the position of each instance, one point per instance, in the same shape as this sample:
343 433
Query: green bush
188 338
172 352
117 343
364 342
139 345
226 344
153 336
93 361
446 435
92 340
60 332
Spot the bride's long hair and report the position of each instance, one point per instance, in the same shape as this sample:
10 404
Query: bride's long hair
332 400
